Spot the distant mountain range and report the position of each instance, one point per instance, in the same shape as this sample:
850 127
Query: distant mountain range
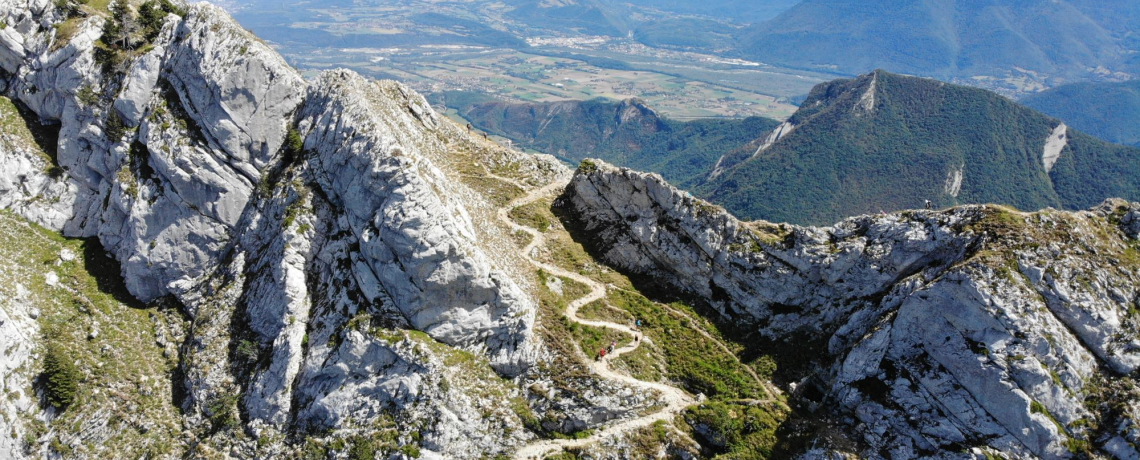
629 133
879 142
615 17
1053 40
1110 111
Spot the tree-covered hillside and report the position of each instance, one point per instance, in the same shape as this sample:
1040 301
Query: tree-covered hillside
626 133
1110 111
888 142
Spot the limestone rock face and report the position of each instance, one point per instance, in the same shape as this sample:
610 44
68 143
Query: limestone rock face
976 327
32 186
1131 222
290 260
18 329
417 246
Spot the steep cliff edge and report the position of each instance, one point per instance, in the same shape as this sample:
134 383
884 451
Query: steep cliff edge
307 230
940 333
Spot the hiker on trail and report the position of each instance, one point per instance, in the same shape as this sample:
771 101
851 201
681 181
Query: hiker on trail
469 127
929 205
602 353
638 326
484 136
612 346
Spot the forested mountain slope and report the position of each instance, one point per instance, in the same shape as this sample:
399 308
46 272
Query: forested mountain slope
629 133
887 142
1109 111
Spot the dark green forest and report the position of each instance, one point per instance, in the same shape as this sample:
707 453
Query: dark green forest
1109 111
843 160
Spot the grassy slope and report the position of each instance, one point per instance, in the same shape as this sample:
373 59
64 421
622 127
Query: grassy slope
125 379
680 349
841 162
17 132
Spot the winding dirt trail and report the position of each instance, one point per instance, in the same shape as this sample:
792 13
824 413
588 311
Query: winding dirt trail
675 400
773 393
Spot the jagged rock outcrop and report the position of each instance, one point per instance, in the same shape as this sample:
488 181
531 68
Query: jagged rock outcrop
289 254
18 329
418 247
974 328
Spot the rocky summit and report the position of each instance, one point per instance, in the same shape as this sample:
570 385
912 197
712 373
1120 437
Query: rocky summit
205 255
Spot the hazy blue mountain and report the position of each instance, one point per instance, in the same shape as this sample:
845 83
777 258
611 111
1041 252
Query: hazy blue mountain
1110 111
590 17
734 10
952 38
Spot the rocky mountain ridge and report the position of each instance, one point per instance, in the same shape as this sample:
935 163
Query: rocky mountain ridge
943 334
219 178
333 270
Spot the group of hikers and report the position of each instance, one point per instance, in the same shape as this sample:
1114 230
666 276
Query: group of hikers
469 130
613 344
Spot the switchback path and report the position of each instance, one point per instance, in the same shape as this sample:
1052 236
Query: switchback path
674 399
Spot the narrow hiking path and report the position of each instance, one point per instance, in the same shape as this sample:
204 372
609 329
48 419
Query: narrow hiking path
773 393
675 399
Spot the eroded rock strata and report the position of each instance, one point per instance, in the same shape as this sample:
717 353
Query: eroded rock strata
945 330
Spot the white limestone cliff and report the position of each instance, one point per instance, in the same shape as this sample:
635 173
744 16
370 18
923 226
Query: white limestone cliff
177 162
974 327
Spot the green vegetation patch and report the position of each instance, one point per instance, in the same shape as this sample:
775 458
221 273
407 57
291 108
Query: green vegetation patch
999 221
644 363
19 129
100 359
600 310
691 357
536 215
61 376
498 192
557 330
593 339
737 431
572 256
